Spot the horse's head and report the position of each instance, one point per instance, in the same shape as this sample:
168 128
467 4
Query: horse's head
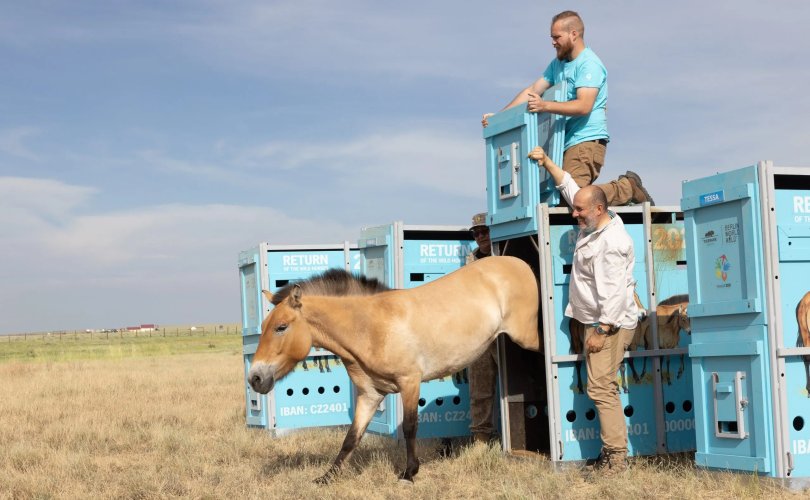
286 339
684 323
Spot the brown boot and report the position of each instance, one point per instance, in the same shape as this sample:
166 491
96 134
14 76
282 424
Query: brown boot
640 195
618 463
608 464
602 461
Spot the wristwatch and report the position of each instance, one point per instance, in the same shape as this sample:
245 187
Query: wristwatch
601 331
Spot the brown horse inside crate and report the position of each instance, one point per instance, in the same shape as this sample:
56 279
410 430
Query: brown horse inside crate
391 341
803 339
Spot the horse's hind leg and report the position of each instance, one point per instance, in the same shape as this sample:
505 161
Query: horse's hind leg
367 403
410 400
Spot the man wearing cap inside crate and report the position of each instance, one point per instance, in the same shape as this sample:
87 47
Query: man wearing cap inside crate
483 372
600 298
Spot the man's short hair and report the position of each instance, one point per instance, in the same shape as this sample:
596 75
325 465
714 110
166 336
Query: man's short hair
571 21
598 197
592 196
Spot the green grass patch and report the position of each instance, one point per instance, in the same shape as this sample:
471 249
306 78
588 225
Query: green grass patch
79 348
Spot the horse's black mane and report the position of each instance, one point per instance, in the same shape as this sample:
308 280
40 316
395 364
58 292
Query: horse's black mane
675 299
332 282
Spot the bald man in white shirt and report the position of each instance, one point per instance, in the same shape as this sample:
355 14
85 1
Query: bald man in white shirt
601 299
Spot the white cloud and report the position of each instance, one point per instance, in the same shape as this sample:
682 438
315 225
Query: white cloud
437 159
160 162
37 203
12 142
93 261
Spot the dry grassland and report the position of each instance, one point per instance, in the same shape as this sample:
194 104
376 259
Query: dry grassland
173 425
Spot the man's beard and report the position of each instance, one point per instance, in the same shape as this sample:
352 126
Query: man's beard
564 54
590 226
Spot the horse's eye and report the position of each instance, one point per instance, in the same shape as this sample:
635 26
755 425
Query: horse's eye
281 329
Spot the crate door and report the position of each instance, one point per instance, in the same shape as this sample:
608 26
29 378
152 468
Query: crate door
728 310
792 219
378 247
513 181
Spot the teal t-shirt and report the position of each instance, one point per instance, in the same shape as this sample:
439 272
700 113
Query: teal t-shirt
586 70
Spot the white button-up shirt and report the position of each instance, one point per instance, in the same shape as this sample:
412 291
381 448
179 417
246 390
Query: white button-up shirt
602 284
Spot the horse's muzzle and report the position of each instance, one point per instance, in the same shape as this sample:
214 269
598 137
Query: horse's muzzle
261 378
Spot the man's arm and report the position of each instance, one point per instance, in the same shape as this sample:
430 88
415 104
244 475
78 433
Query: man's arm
534 90
582 105
562 179
537 154
529 94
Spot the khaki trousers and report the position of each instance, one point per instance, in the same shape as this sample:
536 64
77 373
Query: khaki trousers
584 162
483 375
604 390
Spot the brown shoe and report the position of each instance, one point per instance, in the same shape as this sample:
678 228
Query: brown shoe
640 195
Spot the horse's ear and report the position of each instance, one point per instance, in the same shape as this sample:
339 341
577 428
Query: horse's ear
295 296
267 295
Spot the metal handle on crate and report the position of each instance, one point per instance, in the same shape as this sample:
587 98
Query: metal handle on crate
731 429
508 169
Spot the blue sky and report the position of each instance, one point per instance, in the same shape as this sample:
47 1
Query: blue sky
143 144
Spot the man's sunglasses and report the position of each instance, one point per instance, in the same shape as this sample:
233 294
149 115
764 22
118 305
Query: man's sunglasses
478 232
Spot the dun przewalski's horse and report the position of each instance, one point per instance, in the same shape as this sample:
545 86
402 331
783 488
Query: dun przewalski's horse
672 316
391 341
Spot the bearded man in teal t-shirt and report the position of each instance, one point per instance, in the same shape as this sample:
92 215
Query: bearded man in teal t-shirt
585 109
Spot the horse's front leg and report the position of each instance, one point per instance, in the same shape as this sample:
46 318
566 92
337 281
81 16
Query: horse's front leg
409 392
623 375
367 403
632 364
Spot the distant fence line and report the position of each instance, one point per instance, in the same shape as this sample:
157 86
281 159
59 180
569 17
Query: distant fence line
157 332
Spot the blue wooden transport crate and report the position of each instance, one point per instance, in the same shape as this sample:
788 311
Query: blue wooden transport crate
406 256
654 380
748 247
317 393
515 185
558 417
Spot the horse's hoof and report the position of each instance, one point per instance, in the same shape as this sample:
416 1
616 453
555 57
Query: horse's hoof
405 482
